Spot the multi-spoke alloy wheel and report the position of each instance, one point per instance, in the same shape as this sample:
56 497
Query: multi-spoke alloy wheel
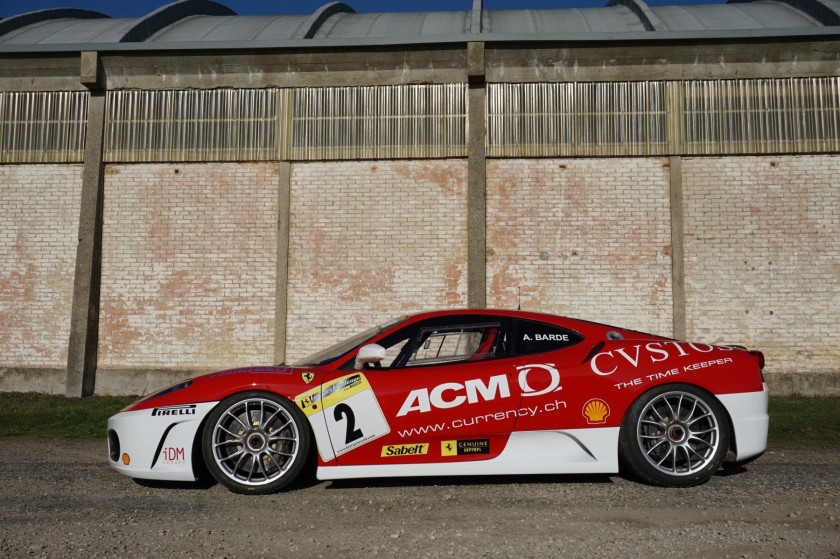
255 442
675 435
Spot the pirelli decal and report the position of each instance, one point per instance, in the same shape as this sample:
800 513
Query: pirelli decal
460 448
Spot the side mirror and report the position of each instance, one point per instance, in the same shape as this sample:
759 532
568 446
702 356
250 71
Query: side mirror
371 353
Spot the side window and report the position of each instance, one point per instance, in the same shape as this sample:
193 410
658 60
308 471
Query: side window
456 344
443 340
539 337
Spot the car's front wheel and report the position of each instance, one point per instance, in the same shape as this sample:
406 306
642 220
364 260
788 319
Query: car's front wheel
675 435
255 442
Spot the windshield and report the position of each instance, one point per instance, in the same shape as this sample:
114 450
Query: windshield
343 347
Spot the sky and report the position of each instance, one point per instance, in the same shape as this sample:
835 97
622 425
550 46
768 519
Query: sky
138 8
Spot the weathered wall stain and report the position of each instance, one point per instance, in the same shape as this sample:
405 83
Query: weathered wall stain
762 246
370 242
39 216
581 237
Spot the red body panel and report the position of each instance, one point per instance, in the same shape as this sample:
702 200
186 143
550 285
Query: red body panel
428 410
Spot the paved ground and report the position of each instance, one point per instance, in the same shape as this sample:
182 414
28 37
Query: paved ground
61 499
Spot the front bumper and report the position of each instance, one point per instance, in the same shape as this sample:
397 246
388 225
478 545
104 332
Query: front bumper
750 421
156 443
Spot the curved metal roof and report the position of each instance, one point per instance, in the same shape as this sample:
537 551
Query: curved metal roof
208 24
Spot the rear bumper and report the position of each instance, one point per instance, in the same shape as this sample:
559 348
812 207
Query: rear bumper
750 422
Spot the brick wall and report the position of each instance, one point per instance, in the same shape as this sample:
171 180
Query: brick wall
371 240
762 247
39 225
588 238
189 265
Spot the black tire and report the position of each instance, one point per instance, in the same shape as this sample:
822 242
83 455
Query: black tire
255 442
674 435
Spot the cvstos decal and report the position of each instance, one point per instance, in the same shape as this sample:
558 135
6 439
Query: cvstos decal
345 412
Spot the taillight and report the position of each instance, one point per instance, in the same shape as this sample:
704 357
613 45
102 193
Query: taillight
759 356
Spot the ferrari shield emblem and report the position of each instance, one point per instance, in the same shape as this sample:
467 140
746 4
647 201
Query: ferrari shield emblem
307 377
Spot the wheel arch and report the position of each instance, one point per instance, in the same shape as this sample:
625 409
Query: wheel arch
198 463
732 448
705 389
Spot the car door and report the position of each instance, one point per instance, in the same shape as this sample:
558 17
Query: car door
446 390
548 361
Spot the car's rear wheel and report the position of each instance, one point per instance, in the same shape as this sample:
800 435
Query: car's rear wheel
255 442
675 435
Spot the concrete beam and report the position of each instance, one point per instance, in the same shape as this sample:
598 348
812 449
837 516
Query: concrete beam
90 72
381 66
475 61
476 183
681 60
84 320
677 248
281 292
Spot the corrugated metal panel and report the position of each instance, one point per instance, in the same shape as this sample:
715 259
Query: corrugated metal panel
193 125
43 126
379 122
791 115
568 119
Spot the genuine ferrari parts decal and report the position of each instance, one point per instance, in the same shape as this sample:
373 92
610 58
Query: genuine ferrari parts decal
459 448
345 413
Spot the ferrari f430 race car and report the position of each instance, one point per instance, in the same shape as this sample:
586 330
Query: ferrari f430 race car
458 393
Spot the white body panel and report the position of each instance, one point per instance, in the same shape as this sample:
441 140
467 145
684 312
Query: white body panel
158 446
750 421
572 451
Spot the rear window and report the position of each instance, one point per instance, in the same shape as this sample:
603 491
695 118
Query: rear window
539 337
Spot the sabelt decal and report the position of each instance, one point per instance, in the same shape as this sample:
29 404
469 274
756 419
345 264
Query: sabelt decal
344 412
183 409
596 411
461 448
405 449
454 394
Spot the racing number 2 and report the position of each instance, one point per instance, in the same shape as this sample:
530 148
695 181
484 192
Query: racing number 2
343 411
343 414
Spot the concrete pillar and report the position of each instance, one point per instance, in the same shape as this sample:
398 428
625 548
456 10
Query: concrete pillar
677 247
84 322
476 180
281 293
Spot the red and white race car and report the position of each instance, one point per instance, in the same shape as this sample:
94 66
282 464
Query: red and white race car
459 393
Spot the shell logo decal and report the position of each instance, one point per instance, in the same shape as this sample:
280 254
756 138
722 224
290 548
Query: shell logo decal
596 411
